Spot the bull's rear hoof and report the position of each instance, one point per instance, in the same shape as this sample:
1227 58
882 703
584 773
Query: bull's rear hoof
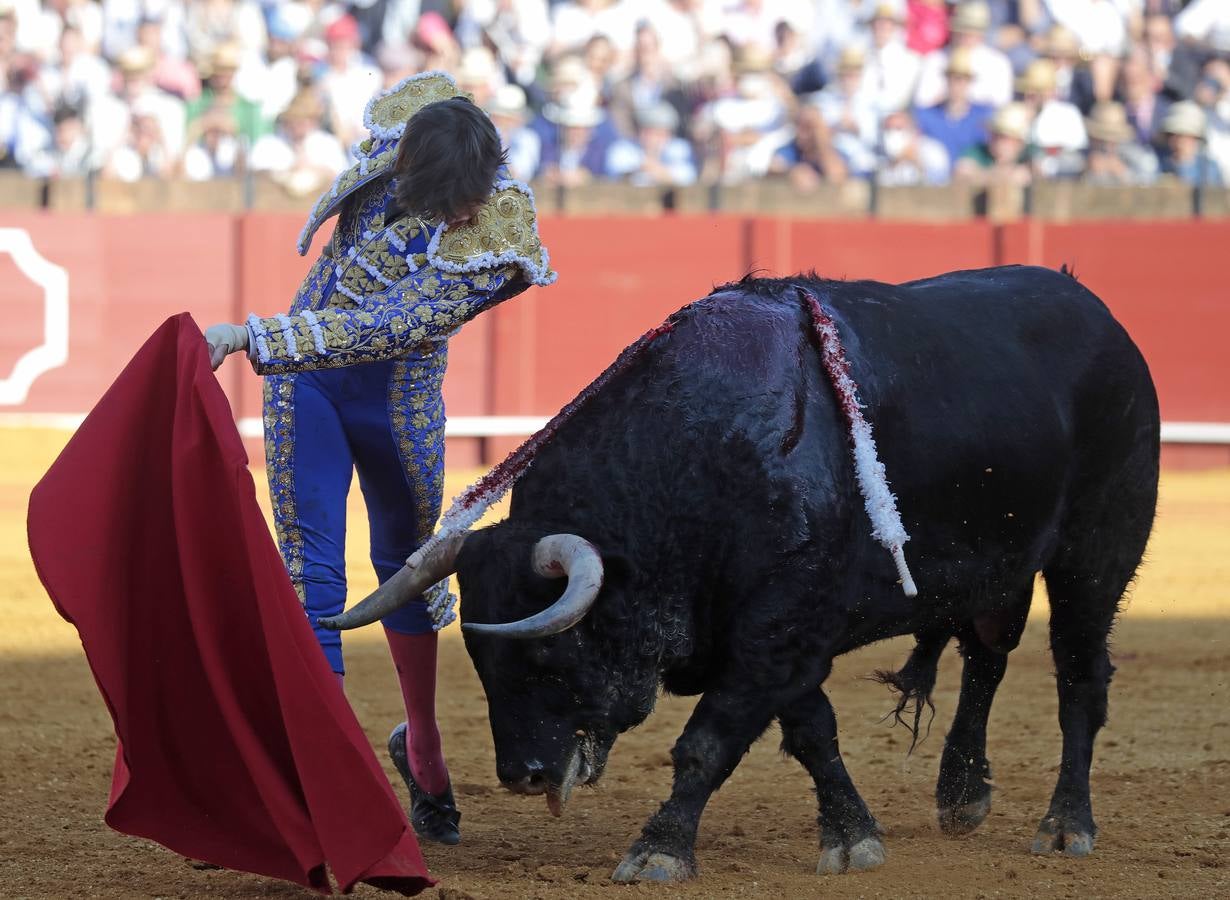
958 820
867 854
1054 834
653 866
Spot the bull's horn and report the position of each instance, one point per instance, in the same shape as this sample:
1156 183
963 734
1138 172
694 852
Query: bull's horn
555 556
420 573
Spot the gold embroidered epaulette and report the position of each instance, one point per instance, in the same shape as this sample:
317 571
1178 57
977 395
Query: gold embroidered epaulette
503 231
386 116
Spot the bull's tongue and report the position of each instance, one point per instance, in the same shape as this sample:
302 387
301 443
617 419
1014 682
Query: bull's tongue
557 795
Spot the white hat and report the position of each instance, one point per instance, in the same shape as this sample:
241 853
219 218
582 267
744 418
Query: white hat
1186 118
578 110
972 16
508 100
1012 121
657 115
477 67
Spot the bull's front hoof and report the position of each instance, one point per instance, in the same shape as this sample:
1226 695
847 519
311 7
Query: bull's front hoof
1066 836
650 865
867 854
958 820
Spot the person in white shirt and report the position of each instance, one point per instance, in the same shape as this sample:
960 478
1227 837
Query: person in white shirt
657 156
849 111
908 157
67 154
1057 124
300 156
274 83
522 145
145 152
108 118
684 28
1099 25
519 30
992 71
1213 93
79 77
214 151
753 22
349 79
1205 22
574 22
891 71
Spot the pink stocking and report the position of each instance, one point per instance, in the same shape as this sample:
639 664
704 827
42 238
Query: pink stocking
414 655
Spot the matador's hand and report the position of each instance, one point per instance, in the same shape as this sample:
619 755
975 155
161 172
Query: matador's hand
224 339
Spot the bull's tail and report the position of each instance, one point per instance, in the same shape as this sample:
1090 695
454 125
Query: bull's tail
914 682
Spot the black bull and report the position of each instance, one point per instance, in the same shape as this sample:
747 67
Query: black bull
1019 428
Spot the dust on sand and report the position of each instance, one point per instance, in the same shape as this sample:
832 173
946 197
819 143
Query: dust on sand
1161 779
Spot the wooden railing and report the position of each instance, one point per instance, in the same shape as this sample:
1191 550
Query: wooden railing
1058 201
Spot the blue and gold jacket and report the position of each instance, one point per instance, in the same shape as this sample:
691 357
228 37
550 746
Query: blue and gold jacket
398 289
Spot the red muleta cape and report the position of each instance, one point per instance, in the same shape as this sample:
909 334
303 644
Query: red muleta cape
236 744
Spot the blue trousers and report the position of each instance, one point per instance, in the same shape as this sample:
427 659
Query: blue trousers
330 423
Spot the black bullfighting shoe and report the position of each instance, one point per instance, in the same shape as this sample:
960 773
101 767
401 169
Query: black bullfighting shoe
434 816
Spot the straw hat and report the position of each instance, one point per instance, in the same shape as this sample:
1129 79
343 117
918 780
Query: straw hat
1108 122
1011 121
752 58
508 100
891 11
852 59
974 16
223 58
478 67
1039 78
136 60
1185 118
1062 43
960 62
304 105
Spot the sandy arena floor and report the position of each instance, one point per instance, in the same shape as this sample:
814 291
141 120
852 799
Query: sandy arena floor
1161 780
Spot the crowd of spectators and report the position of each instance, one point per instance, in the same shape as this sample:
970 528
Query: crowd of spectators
651 92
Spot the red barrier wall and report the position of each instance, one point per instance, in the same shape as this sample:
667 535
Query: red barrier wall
883 251
618 277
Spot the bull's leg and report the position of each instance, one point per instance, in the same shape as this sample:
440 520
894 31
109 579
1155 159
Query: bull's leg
963 791
1082 611
849 835
1102 544
720 731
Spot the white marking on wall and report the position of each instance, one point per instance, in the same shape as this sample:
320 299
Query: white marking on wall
53 351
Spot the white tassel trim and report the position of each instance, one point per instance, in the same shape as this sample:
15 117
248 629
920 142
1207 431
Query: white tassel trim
288 334
318 335
260 334
371 269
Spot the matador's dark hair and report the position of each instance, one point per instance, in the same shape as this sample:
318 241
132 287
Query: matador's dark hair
447 160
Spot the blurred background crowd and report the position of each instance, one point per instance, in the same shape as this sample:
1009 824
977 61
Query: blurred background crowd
651 92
